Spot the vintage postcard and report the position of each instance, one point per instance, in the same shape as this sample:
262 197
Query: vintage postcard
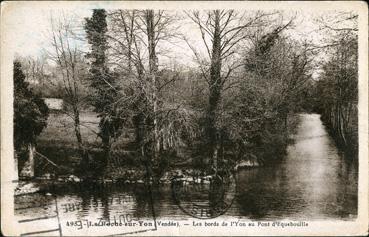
184 118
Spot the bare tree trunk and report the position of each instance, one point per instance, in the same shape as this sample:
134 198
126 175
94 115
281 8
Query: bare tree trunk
31 159
28 169
77 131
139 118
286 122
16 175
66 56
153 70
342 126
106 148
348 119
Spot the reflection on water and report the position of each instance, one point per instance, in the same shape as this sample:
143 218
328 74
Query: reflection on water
314 181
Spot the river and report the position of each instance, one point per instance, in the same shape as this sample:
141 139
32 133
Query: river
314 181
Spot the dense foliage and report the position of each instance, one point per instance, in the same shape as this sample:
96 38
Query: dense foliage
30 110
337 92
257 111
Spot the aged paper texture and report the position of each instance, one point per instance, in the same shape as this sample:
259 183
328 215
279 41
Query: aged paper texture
184 118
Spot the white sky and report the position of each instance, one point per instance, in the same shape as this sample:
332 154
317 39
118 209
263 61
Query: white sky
30 26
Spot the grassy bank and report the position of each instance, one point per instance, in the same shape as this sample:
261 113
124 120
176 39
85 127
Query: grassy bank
59 144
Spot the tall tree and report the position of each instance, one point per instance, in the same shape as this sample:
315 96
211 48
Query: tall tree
136 38
68 59
338 94
103 82
153 69
337 91
221 32
30 112
126 54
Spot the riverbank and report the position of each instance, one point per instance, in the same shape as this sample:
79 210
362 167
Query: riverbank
58 144
347 143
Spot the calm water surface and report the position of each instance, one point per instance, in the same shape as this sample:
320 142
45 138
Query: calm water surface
314 181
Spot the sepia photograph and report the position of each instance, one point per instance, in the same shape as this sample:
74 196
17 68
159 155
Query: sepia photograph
184 118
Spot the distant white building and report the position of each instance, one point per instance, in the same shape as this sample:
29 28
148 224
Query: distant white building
54 103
